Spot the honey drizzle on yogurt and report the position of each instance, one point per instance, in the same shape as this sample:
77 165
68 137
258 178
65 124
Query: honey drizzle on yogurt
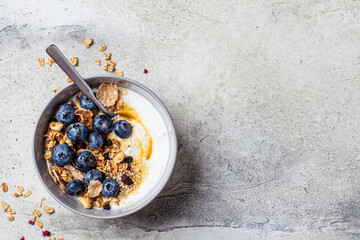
129 114
149 149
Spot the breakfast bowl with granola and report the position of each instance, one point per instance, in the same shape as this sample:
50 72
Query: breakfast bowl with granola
101 166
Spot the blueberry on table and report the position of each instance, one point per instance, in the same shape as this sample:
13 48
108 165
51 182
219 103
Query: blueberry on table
94 174
86 102
122 129
126 179
75 187
95 140
102 124
110 188
62 154
65 114
77 132
85 161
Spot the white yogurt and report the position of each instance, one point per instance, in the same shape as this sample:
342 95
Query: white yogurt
155 125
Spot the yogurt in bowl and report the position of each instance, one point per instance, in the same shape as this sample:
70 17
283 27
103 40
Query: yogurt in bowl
152 145
149 142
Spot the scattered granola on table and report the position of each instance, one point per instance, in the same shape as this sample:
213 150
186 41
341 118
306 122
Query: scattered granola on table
107 55
50 61
39 224
102 48
57 89
48 209
4 187
41 201
110 68
74 61
87 151
27 193
119 73
36 213
19 189
112 62
17 194
5 207
40 62
88 42
105 66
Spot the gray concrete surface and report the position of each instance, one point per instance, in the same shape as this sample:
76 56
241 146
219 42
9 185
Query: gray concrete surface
264 96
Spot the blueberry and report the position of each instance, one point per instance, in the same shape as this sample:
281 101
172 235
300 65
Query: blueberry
110 188
122 129
62 154
77 132
65 114
75 187
102 124
128 159
126 179
86 102
95 140
85 161
94 175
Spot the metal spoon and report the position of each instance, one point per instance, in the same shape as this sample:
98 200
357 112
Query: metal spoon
55 53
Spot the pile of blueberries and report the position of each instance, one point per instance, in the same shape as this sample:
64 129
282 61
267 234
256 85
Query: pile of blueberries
78 132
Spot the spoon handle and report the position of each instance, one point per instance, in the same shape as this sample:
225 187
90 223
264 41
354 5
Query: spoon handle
55 53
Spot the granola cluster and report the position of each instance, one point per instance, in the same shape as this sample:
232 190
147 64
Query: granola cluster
110 158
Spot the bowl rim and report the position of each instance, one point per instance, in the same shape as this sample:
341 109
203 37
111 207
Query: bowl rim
165 176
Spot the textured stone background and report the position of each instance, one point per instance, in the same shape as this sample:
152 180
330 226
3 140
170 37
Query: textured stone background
264 96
